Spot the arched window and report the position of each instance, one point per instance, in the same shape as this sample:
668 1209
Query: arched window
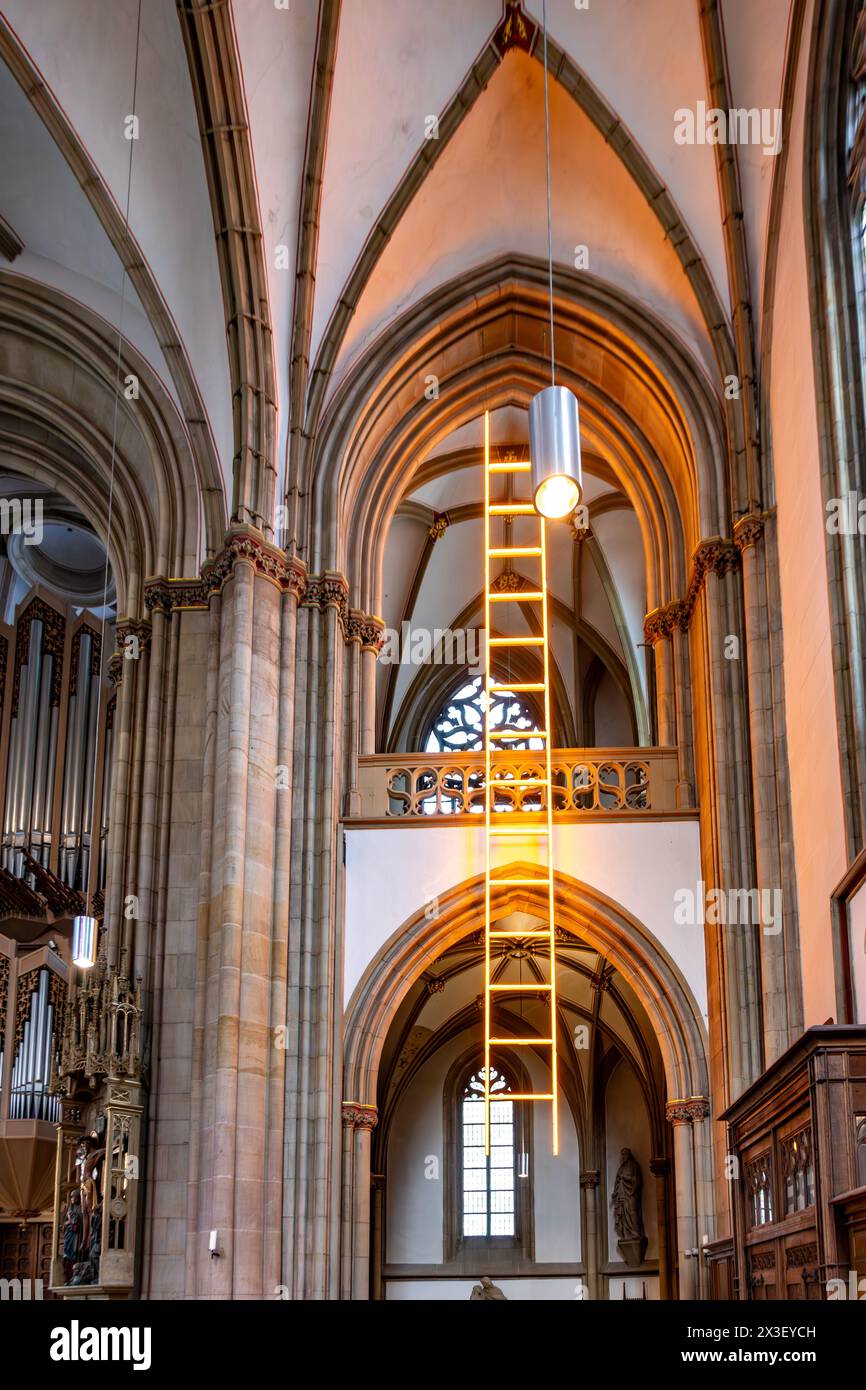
459 725
488 1183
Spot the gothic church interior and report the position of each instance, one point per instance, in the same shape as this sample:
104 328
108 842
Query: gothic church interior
407 895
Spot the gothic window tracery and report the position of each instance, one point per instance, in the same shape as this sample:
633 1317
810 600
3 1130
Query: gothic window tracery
459 725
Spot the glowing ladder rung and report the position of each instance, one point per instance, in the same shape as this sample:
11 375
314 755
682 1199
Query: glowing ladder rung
523 881
517 830
524 1042
522 1095
515 936
495 742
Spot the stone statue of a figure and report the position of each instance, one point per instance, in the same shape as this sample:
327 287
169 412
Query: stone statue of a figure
486 1291
73 1230
627 1214
87 1158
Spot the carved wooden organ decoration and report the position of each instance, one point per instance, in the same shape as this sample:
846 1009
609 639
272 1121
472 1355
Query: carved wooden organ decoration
70 1040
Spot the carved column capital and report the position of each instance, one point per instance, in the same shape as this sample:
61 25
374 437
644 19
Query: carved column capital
749 530
128 628
687 1110
359 1116
663 622
366 629
590 1178
242 544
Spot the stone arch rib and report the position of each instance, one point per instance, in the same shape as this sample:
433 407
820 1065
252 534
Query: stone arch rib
140 275
581 909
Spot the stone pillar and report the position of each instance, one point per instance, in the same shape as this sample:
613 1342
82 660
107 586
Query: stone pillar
781 985
359 1122
665 692
660 1168
242 1027
591 1233
377 1237
369 654
666 630
693 1217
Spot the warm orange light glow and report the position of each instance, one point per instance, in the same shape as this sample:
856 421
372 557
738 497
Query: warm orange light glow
495 744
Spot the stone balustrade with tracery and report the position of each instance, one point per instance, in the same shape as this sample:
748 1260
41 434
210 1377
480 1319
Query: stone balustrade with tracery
625 783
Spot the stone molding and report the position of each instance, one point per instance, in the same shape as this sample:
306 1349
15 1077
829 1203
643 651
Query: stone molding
714 556
127 627
289 574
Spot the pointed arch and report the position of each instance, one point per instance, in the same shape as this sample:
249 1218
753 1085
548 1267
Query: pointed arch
584 911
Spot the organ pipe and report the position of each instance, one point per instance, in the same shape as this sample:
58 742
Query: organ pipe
56 683
31 1068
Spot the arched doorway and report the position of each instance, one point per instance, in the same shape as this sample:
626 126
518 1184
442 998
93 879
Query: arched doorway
633 1075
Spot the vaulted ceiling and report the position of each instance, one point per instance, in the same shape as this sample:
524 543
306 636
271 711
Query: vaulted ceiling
392 145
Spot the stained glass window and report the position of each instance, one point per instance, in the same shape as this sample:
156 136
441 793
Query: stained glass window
459 725
488 1183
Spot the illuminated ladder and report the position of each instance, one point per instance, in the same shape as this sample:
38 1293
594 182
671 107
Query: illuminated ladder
493 745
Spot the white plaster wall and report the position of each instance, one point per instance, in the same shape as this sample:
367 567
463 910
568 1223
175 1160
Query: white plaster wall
392 872
813 749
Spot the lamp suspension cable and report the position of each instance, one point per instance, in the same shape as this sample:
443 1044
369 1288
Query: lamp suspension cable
93 863
549 219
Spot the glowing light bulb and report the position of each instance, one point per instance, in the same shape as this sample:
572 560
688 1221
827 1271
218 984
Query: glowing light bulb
557 497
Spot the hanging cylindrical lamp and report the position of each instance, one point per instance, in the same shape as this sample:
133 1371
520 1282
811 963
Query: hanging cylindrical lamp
85 934
554 429
554 451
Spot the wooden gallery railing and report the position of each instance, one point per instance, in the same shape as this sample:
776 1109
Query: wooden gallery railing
597 783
